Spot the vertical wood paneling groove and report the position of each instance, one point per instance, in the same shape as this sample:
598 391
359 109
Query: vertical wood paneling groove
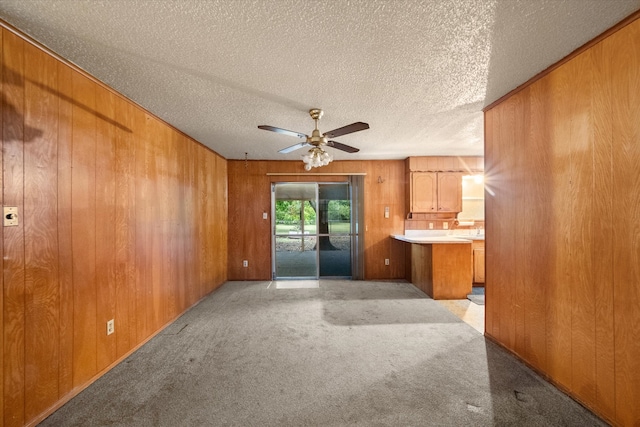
184 222
490 141
224 219
173 197
2 75
519 211
538 226
42 307
105 226
142 280
65 253
494 176
582 186
210 247
190 219
505 196
201 213
83 231
123 228
579 155
602 224
155 209
559 344
396 177
626 200
13 237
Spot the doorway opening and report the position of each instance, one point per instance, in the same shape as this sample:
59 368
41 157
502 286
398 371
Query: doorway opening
315 231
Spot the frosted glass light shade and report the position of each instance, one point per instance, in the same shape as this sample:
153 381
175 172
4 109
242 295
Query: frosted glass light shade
315 158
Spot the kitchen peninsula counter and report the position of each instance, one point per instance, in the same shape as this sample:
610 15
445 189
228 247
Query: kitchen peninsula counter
441 266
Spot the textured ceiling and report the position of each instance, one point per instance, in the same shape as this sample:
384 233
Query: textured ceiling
419 72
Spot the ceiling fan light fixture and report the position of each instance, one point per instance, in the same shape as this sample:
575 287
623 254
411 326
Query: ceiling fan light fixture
315 158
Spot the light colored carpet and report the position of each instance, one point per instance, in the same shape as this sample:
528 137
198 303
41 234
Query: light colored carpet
344 354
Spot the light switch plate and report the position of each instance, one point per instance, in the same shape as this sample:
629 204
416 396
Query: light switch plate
10 216
265 215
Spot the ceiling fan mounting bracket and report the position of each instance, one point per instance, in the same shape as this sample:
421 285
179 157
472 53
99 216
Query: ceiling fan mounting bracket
316 113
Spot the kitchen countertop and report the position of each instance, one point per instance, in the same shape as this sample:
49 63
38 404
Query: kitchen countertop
414 236
470 236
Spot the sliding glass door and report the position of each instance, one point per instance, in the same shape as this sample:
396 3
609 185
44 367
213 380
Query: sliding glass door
312 230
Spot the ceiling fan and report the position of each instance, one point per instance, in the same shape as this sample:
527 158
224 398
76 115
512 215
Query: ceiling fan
316 155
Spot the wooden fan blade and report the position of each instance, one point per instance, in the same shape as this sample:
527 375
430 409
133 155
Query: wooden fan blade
353 127
294 148
343 147
283 131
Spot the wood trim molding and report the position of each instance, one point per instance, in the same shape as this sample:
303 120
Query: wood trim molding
626 21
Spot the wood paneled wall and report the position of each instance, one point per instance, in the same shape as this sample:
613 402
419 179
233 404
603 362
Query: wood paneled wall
121 217
562 174
250 196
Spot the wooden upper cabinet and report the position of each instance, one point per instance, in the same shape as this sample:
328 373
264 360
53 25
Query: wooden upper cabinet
435 192
434 184
424 192
449 191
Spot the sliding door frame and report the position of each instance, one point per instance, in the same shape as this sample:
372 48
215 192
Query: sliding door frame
356 198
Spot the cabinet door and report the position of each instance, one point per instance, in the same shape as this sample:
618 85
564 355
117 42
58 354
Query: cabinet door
449 192
478 265
423 192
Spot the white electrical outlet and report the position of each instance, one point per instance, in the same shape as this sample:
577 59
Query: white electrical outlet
265 215
245 263
386 261
430 226
445 225
386 211
110 327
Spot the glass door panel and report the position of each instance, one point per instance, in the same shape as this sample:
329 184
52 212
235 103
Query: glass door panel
295 231
295 257
334 229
